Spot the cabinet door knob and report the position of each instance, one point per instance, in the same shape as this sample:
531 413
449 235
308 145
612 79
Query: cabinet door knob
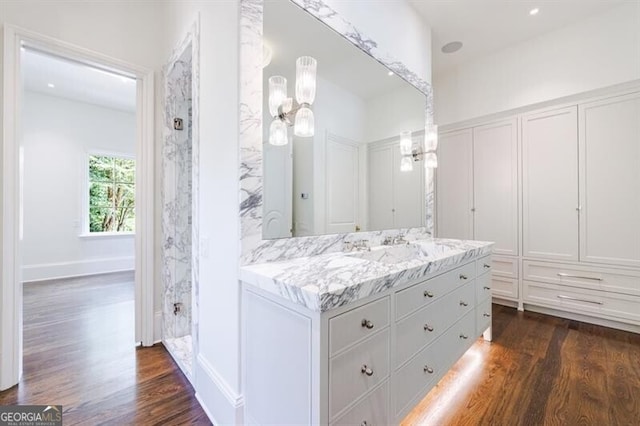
486 315
486 288
463 303
366 370
463 277
428 369
364 423
427 327
427 293
464 336
486 266
367 323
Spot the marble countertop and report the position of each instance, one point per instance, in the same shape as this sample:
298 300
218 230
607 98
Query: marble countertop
328 281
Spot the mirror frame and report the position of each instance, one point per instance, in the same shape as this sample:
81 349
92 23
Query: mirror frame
254 249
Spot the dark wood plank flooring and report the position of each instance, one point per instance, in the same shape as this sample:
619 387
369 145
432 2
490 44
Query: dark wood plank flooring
79 352
540 370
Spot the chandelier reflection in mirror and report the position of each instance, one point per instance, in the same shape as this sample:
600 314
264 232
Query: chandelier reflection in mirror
281 106
409 154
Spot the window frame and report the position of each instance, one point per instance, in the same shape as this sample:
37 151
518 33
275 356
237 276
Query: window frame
86 184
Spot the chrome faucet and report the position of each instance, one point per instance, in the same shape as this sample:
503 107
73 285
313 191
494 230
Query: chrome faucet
395 240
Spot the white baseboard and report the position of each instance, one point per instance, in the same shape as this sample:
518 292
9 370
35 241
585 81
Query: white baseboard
220 402
50 271
157 327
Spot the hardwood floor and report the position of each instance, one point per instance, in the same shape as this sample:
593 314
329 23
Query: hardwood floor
540 370
79 352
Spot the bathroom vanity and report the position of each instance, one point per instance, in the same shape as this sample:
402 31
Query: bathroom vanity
359 337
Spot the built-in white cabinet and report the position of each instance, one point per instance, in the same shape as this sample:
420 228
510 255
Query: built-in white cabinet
610 180
455 185
396 198
550 206
477 185
495 185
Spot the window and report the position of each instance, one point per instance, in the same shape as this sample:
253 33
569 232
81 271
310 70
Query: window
111 194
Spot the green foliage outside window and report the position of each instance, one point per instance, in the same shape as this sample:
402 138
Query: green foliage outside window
111 194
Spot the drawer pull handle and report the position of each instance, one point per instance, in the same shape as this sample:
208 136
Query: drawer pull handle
428 369
486 266
427 327
427 293
366 370
486 288
367 323
563 275
579 300
463 277
464 336
486 315
463 303
364 423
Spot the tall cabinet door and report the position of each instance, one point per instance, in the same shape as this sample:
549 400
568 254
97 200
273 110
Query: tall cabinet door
550 184
495 166
408 193
455 185
610 181
380 184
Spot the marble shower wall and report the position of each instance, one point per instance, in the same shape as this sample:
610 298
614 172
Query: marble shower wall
180 173
254 248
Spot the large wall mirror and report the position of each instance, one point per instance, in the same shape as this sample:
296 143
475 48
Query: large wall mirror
344 138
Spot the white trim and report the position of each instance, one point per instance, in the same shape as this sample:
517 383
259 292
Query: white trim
157 327
100 235
10 293
223 400
80 268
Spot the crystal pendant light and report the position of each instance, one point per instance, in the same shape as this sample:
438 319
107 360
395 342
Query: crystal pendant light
431 160
405 143
306 69
406 164
304 125
277 93
278 133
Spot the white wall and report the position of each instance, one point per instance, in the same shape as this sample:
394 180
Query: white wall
57 135
395 112
600 51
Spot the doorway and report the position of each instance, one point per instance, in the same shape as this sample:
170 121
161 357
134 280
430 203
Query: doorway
95 171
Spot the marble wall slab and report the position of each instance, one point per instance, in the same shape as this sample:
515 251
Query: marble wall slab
180 190
253 248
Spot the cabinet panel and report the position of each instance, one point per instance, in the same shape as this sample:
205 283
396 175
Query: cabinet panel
495 186
357 324
455 185
550 184
610 181
372 410
408 193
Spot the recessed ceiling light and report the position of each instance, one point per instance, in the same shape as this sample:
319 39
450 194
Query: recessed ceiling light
452 47
390 73
534 11
51 85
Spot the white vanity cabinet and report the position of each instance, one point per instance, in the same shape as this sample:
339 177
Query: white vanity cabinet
367 363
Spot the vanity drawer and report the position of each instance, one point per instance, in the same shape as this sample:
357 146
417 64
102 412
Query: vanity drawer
429 291
595 278
358 370
357 324
504 287
483 265
483 316
503 266
611 305
483 287
461 336
373 410
423 327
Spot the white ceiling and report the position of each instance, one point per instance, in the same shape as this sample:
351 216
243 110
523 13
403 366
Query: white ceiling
76 81
290 32
486 26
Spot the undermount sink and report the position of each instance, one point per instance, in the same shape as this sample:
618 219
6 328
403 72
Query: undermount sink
392 254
